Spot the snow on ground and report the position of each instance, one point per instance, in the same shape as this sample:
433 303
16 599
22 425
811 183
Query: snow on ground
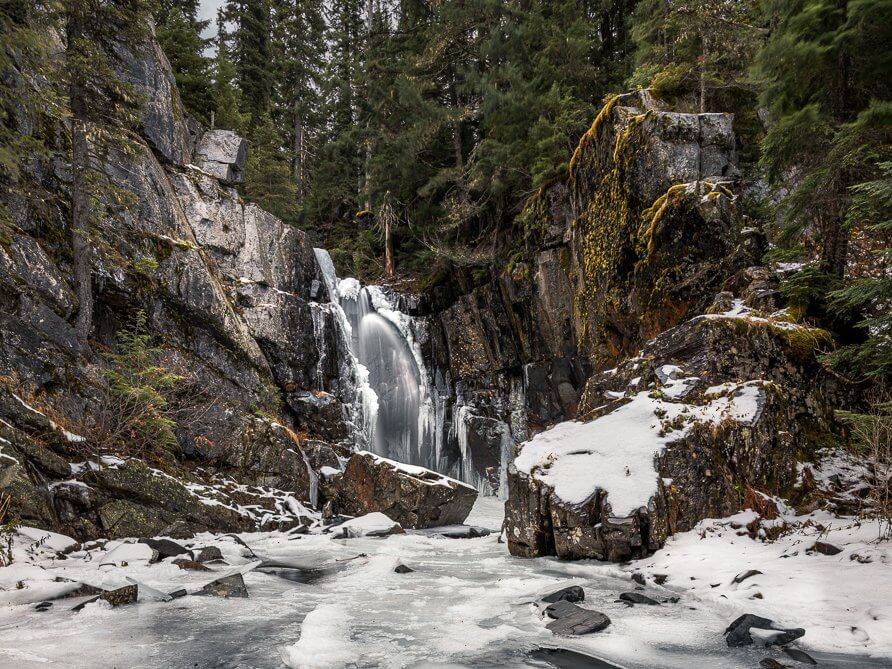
468 603
843 600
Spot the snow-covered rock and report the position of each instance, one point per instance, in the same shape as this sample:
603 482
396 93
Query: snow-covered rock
370 525
413 496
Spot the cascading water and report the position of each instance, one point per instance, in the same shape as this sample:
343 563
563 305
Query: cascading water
399 412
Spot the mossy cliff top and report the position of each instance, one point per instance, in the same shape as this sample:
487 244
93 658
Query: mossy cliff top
655 228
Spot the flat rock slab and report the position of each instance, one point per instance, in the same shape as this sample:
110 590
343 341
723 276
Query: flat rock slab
571 594
166 548
739 632
228 586
637 598
575 620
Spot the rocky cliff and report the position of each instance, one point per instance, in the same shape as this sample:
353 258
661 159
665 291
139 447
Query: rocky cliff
231 302
641 264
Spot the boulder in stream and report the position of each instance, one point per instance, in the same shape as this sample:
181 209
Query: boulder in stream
412 496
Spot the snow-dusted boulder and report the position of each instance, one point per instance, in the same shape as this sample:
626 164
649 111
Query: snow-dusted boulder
711 416
370 525
413 496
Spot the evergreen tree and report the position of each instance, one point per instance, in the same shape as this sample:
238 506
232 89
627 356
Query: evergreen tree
700 48
227 100
825 70
179 34
247 37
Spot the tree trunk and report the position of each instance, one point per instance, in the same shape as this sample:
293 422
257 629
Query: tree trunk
834 247
703 56
388 248
298 166
80 157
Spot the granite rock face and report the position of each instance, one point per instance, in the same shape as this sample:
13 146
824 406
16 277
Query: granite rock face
230 296
223 154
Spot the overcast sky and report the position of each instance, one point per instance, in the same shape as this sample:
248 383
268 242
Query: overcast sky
208 10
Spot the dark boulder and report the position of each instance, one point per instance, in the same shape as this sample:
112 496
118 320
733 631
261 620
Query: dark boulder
412 496
571 594
228 586
738 632
575 621
637 598
166 548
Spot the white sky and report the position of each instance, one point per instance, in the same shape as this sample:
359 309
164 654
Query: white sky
208 10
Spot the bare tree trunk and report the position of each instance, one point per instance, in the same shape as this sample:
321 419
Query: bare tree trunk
298 166
367 160
388 248
80 196
704 57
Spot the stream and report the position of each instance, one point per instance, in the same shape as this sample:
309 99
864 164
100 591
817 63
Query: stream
467 604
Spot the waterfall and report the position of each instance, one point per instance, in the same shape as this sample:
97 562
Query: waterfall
398 408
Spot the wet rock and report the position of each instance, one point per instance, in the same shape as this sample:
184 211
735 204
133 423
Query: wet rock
118 597
638 577
740 578
43 606
576 621
166 548
176 594
412 496
660 579
228 586
459 532
771 663
637 598
223 154
208 554
403 569
799 655
738 632
825 549
190 565
561 608
574 593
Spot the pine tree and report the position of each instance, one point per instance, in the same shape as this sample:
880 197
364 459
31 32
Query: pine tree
227 100
825 71
699 48
247 39
179 34
299 50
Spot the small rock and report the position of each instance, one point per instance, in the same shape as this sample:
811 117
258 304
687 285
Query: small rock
176 594
228 586
208 554
659 579
740 578
799 655
578 621
771 663
118 597
165 548
43 606
560 608
403 569
825 548
638 577
572 594
738 632
190 565
637 598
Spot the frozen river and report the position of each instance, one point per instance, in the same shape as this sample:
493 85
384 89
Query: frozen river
468 603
